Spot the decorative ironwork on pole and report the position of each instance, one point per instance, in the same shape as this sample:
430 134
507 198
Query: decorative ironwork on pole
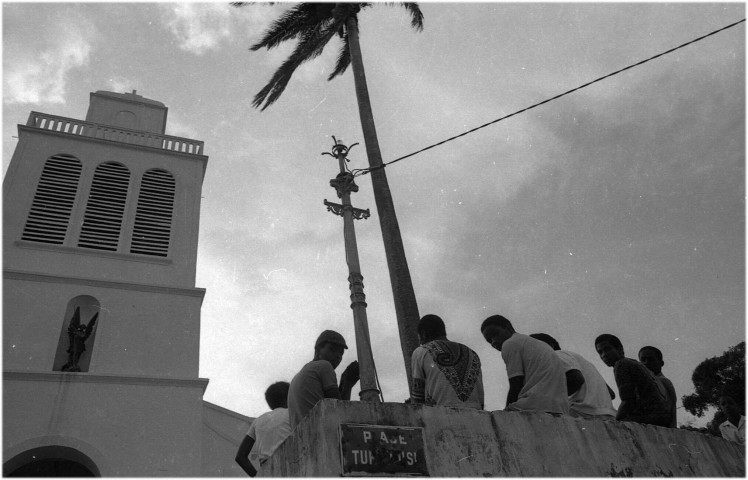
344 184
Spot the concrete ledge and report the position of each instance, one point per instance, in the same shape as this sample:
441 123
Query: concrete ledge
103 378
470 443
68 280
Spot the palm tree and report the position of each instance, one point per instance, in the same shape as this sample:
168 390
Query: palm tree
314 25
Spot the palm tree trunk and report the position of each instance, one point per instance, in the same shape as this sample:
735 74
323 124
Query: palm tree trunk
406 308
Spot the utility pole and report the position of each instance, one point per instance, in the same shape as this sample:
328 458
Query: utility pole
344 185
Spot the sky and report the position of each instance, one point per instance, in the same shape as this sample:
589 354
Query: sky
619 208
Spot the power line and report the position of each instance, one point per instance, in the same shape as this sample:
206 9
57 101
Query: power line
364 171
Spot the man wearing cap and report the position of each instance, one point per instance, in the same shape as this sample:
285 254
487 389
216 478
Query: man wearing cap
317 379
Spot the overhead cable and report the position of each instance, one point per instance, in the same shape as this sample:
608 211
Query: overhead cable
364 171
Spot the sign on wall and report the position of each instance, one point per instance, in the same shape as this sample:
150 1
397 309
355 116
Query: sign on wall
378 449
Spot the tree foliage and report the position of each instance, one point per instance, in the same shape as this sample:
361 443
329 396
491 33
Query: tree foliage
313 25
712 375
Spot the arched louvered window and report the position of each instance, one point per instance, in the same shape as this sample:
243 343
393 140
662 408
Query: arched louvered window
53 202
152 231
102 222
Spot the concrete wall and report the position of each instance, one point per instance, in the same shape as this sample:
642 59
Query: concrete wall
141 330
35 146
470 443
223 431
126 425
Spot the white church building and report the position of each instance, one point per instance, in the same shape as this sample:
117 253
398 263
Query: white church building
101 315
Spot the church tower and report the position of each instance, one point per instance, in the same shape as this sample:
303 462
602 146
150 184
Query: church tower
101 316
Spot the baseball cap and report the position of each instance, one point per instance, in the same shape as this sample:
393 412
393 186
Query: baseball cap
330 336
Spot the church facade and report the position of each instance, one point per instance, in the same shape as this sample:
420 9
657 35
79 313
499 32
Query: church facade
101 315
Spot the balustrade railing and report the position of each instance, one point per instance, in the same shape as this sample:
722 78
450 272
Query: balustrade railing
72 126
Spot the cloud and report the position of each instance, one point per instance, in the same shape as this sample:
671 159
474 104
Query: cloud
121 84
255 293
41 77
202 27
198 28
180 127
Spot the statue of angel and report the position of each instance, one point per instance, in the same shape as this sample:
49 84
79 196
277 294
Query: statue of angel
78 334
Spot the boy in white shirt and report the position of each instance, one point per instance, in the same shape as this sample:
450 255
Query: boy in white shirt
589 395
732 429
267 432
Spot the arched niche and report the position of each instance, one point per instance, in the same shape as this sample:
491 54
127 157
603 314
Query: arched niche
88 308
126 119
51 461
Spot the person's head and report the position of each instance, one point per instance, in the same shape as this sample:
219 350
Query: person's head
731 398
651 357
729 406
496 330
609 348
544 337
277 395
431 327
330 346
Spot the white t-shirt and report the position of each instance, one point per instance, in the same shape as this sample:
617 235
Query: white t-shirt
545 382
593 398
269 430
732 433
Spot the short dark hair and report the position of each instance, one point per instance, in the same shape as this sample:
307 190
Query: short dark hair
544 337
607 337
735 389
431 326
277 395
497 321
654 350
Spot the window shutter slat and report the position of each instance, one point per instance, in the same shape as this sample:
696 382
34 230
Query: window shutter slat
102 222
153 218
49 216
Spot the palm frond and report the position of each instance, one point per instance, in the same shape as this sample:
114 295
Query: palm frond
314 24
416 16
344 59
294 23
310 46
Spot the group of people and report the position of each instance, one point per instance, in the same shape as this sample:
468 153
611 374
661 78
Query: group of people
290 403
542 378
545 378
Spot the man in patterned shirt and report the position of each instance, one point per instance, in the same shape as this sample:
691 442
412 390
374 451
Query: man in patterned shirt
643 397
445 373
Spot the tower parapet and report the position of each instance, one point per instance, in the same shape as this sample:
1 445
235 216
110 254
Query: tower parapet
127 110
71 126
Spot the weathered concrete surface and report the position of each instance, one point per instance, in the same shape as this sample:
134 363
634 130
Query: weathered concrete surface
223 431
469 443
